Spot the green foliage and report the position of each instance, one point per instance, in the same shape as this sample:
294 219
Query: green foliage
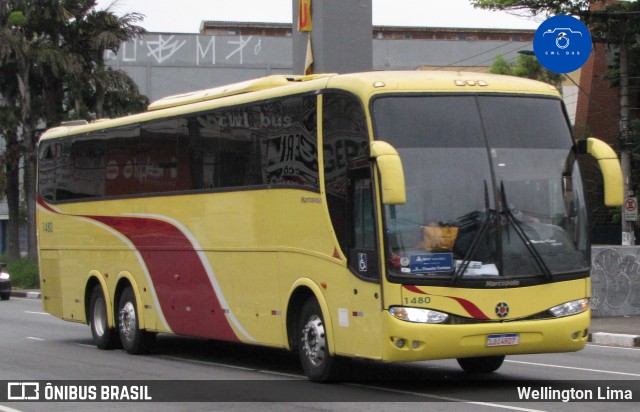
501 66
536 7
17 19
527 67
24 273
52 67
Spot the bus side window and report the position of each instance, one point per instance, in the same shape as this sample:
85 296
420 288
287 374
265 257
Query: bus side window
363 256
345 138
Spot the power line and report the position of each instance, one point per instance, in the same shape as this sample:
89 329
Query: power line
475 55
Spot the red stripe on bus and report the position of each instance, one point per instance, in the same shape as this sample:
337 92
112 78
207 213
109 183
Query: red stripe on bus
186 295
414 289
45 205
470 307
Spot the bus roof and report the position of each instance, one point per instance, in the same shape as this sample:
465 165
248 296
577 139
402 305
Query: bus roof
362 84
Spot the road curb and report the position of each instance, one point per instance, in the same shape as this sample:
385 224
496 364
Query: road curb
615 339
26 294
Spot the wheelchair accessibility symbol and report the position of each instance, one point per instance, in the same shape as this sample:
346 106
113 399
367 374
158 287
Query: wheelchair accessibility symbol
362 262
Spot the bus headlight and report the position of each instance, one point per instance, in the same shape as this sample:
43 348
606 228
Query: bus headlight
418 315
570 308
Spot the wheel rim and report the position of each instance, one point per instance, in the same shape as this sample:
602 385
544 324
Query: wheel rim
127 320
314 341
99 316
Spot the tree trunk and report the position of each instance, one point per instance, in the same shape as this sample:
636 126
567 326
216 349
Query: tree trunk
30 200
29 125
13 196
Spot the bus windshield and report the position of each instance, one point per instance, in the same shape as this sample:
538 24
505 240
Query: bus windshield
494 192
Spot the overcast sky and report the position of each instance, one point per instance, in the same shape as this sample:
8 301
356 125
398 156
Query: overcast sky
185 16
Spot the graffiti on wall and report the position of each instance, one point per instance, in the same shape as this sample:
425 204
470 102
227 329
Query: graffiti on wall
615 281
197 50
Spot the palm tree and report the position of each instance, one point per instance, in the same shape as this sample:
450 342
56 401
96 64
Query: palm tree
92 33
56 48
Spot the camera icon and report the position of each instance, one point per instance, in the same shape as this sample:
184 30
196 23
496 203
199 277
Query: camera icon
563 36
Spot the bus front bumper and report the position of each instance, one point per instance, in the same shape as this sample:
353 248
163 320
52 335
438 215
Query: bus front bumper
407 341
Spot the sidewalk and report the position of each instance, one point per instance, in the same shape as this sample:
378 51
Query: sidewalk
619 331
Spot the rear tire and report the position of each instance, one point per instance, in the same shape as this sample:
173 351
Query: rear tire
482 364
134 340
104 337
5 296
313 346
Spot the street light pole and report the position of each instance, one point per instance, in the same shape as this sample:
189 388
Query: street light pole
628 235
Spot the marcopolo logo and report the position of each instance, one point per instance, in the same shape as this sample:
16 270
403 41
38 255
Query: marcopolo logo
562 44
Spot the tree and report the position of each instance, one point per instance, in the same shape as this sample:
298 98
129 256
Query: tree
536 7
97 88
616 23
528 67
26 50
46 48
10 159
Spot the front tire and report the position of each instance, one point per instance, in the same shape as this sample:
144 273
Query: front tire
5 296
134 340
104 337
313 347
483 364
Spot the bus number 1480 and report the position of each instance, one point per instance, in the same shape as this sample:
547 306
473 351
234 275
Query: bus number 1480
420 300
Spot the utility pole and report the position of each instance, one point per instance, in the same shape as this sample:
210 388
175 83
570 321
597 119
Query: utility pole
628 236
341 36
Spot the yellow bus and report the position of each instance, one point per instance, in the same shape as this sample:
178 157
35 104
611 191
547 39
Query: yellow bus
395 216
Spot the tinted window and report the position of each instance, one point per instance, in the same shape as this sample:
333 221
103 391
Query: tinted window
272 143
345 138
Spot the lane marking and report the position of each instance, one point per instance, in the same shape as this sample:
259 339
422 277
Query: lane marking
35 313
199 362
447 398
574 368
287 375
207 363
34 338
7 409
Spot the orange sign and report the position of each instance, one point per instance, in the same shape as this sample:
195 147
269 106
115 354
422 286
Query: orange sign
304 15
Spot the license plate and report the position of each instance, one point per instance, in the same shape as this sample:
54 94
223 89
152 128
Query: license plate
505 339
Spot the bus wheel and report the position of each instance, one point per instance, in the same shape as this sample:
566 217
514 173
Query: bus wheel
104 337
482 364
134 340
317 363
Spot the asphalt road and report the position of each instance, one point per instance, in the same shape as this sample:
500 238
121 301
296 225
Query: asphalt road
35 346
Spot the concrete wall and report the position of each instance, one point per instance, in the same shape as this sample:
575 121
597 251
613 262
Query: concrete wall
615 280
164 64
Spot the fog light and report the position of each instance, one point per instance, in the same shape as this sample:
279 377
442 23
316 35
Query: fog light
415 344
400 343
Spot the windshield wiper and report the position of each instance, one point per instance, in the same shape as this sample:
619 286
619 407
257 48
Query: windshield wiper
486 224
522 235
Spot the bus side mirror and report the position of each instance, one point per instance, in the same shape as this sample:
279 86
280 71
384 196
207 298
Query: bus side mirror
610 168
391 172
